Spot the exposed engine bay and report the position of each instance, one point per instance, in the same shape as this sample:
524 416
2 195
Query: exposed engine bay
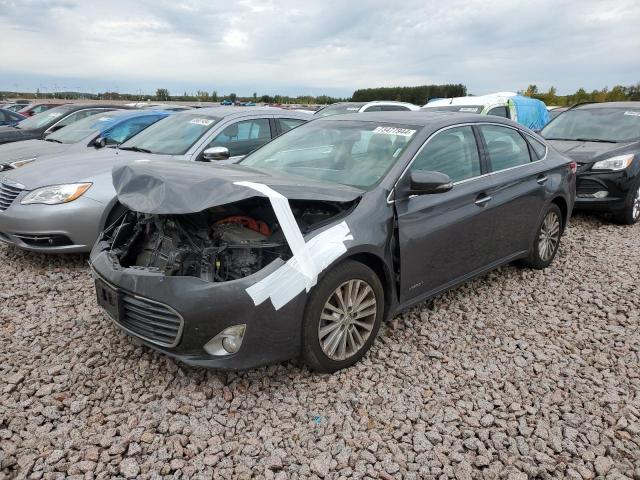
217 245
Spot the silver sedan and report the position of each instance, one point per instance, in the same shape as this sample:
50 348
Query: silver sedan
61 204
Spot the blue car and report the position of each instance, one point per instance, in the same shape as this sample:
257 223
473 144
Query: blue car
107 129
7 117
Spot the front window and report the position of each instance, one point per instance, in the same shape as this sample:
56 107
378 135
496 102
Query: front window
44 119
599 124
346 152
339 108
82 128
242 138
453 152
174 135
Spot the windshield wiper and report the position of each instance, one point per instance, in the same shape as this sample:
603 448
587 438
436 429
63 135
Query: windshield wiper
52 140
599 140
136 149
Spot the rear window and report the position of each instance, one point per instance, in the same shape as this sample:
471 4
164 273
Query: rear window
539 148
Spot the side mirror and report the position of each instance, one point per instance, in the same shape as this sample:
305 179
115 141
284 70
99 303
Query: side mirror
215 153
424 182
100 142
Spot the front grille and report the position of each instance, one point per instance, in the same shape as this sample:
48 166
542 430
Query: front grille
8 194
152 321
588 187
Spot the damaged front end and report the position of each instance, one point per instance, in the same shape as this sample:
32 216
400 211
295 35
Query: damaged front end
220 244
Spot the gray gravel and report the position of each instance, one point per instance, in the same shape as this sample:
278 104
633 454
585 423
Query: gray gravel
521 374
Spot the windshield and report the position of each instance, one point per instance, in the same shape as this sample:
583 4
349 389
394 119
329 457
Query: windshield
82 128
617 124
173 135
44 119
339 108
456 108
347 152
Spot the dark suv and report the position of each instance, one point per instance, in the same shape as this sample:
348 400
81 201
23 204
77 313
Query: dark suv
604 138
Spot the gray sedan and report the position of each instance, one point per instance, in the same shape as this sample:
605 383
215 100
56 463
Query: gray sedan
60 204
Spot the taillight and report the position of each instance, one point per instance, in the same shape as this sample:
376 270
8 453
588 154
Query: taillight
573 167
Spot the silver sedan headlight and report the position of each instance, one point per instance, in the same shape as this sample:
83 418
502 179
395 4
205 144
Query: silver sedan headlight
614 163
56 194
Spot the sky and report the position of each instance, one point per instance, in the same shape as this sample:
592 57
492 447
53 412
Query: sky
331 47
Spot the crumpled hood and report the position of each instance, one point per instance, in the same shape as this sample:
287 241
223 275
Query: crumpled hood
10 152
10 134
589 152
186 187
72 168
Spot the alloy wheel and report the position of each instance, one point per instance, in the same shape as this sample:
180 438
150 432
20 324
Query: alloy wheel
549 236
636 206
347 319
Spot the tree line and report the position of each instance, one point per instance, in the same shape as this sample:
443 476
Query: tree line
618 93
418 95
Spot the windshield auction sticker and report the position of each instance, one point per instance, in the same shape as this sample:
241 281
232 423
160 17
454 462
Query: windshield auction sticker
55 114
469 109
201 121
632 113
403 132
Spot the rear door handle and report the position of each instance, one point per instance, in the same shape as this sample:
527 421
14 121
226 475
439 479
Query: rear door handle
542 179
482 200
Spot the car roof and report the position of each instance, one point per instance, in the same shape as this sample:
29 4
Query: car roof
629 104
229 112
421 118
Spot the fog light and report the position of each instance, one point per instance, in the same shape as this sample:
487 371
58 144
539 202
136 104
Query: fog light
598 194
227 341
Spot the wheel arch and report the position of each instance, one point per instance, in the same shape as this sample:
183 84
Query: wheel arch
564 209
386 277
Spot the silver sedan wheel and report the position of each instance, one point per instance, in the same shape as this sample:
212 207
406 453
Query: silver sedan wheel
636 206
347 319
549 236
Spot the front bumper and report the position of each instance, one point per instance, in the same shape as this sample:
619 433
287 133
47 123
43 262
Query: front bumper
208 308
616 185
66 228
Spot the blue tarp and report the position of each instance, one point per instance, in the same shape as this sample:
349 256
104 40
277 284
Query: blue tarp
532 113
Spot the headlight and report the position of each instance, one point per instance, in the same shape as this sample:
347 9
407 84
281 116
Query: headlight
21 163
56 194
614 163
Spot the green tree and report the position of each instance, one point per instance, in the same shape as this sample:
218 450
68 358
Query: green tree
162 94
233 97
214 96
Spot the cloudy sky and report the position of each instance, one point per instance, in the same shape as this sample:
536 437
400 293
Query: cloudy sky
314 47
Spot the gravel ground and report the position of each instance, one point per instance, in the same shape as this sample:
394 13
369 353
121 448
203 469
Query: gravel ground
520 374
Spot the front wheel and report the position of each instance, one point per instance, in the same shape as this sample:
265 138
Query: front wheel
631 212
342 318
545 245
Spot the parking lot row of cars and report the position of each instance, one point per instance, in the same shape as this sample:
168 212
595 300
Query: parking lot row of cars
234 237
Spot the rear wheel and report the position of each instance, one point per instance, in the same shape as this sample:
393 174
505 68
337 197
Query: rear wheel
631 212
545 245
342 318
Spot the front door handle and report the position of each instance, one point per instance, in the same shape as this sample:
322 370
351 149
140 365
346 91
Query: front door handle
542 179
482 200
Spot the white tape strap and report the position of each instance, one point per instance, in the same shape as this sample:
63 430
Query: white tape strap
287 282
301 271
289 227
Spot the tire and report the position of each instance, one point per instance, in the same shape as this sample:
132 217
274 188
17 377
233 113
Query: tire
547 239
321 312
631 213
